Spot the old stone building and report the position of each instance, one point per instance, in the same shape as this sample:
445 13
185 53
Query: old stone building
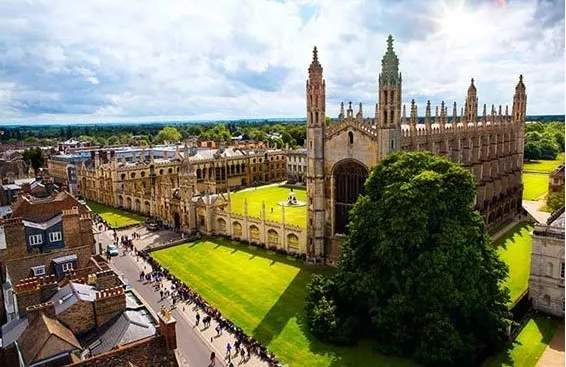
89 320
149 180
340 156
297 165
546 281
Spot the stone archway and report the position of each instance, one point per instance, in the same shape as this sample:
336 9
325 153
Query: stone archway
349 177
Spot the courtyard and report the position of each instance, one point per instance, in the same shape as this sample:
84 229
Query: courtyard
263 293
514 248
271 195
115 218
535 177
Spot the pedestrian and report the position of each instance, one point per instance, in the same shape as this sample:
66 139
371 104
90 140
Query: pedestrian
198 318
212 359
228 350
161 294
218 330
237 346
243 354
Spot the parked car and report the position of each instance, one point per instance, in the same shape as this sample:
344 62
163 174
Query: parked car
152 226
112 250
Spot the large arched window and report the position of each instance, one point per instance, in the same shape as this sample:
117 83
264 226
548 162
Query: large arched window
254 233
237 229
350 137
293 241
273 237
221 225
349 178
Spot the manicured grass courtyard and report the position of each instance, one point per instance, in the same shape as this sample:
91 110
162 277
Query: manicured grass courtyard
264 293
271 195
543 166
115 218
529 345
535 185
514 248
535 177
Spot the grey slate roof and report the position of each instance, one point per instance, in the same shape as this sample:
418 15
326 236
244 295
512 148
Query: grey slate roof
12 330
71 294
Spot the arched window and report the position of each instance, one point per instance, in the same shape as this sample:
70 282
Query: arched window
272 237
221 225
170 170
237 228
546 299
133 175
293 241
349 178
143 174
350 137
254 233
123 176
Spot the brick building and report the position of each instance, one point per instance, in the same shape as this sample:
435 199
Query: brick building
44 236
87 321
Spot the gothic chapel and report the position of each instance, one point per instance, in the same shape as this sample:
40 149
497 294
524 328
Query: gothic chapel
340 156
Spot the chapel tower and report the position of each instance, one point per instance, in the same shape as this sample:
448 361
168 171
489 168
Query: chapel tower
471 109
388 111
316 130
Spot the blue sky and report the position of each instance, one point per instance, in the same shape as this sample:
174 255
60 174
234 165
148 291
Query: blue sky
128 60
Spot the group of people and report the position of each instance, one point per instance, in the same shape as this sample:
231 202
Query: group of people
179 291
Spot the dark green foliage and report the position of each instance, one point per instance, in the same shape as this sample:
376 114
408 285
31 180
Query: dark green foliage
34 156
555 200
417 268
544 141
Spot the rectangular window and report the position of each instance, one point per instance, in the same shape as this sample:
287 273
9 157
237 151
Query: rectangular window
36 239
562 270
55 236
67 267
38 270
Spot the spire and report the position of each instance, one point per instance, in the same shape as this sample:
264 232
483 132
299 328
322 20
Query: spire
454 115
404 117
315 69
360 115
520 86
390 65
442 113
414 116
427 115
436 115
472 87
484 115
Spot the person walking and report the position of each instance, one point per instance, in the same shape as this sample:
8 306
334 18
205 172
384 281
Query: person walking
218 330
198 319
228 351
243 354
212 359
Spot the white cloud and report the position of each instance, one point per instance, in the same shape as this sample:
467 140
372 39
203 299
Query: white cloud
127 59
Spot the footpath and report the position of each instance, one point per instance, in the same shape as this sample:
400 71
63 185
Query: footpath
208 335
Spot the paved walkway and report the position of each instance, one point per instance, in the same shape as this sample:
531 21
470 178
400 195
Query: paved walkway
195 343
553 355
533 207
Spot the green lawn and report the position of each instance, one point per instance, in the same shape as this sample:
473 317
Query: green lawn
543 166
116 218
529 345
535 185
264 293
515 250
271 195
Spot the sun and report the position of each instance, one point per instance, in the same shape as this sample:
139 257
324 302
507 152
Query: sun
456 22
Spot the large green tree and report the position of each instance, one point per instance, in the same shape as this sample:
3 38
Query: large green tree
34 156
168 134
418 272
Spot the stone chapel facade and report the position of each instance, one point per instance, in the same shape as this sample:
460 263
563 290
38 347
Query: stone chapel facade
340 156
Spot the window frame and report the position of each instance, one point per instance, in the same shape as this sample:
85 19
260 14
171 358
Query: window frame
68 266
52 235
38 273
562 270
33 239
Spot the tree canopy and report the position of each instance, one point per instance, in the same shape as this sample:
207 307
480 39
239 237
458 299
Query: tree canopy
34 156
544 140
417 271
168 134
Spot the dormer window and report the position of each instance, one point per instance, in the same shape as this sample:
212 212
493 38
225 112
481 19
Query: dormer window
36 239
55 236
38 270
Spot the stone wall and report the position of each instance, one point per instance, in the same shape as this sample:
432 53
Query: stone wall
79 318
150 351
109 303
